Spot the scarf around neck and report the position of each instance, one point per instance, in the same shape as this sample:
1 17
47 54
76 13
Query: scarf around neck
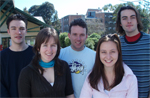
47 65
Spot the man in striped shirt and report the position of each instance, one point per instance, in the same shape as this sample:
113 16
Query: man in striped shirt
135 47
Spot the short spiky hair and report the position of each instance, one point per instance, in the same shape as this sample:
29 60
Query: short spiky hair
16 17
119 28
78 22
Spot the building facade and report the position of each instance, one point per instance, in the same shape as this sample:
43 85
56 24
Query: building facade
65 21
105 18
7 8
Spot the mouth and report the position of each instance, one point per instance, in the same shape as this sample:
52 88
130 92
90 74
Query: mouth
78 43
108 61
129 25
49 54
18 37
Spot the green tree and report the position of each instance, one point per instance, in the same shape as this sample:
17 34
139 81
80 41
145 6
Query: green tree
145 4
48 13
90 43
25 10
62 37
67 41
143 12
95 37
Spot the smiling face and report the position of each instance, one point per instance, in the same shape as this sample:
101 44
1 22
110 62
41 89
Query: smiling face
77 37
48 50
17 31
129 22
108 53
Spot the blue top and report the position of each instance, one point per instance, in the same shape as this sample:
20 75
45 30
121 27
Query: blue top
11 64
137 56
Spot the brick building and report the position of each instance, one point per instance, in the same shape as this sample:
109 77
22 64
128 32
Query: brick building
65 21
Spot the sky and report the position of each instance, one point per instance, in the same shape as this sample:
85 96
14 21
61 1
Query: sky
70 7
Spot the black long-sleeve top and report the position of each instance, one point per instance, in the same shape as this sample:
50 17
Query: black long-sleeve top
11 63
32 84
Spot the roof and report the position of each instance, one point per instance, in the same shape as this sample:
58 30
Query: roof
8 6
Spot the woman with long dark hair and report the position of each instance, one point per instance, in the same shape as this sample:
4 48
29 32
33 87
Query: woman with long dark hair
46 75
110 77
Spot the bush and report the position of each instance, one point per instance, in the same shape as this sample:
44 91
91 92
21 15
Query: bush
95 35
90 43
62 37
67 41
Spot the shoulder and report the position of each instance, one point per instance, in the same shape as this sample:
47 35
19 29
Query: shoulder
128 71
145 35
29 48
4 54
89 50
62 62
26 68
122 37
66 48
5 51
130 76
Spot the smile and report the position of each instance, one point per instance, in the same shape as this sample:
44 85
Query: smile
108 61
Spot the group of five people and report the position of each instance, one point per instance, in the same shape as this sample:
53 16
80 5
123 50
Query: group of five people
120 67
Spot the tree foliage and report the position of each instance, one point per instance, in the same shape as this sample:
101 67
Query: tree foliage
95 37
90 43
67 41
62 37
48 13
25 10
142 11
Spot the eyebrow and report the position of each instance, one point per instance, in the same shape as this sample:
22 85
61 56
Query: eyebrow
12 27
126 16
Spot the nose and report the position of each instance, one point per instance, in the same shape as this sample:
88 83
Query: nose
78 37
49 49
18 31
108 56
129 20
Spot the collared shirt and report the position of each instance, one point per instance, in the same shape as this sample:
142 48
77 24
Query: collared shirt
127 88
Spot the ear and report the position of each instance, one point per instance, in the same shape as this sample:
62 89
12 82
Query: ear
86 36
8 31
69 35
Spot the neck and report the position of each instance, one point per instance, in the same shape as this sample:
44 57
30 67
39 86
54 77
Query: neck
109 71
18 47
133 38
130 34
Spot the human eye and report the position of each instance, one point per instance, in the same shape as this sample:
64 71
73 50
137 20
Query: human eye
133 17
112 51
124 18
44 45
74 34
103 52
22 28
82 34
54 45
13 28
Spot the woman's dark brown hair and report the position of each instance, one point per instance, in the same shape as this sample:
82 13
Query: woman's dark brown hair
119 28
98 69
43 37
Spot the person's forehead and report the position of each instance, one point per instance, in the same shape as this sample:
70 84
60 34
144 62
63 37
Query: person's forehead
127 12
78 29
17 23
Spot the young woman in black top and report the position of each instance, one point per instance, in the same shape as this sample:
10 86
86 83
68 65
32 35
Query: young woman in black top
46 75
